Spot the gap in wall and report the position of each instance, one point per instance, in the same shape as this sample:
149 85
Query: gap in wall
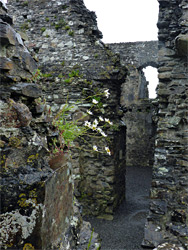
151 75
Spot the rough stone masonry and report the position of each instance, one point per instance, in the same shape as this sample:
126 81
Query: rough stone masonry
168 217
63 37
38 210
139 110
62 42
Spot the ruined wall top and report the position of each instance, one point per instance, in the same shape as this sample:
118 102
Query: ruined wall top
141 54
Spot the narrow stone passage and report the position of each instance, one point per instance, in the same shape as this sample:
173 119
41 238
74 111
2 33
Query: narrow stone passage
126 231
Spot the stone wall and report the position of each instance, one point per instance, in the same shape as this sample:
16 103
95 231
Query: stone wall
37 207
168 217
141 54
64 38
139 110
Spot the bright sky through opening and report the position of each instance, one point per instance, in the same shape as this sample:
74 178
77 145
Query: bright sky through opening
126 21
151 75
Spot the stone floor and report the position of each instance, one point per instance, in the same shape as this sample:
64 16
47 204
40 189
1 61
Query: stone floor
126 231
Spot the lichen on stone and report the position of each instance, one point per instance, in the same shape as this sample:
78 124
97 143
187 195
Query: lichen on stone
14 223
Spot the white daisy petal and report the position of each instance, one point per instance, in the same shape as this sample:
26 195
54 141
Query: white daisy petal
101 119
108 121
89 112
94 101
95 122
94 127
99 130
95 148
103 134
108 150
106 93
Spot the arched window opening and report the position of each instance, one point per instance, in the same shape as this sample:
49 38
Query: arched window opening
152 77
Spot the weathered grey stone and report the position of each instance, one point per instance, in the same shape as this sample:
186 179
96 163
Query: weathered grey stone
24 158
56 209
7 34
23 113
6 63
153 235
167 246
27 89
105 217
15 58
182 45
68 50
138 109
169 203
166 221
165 76
174 121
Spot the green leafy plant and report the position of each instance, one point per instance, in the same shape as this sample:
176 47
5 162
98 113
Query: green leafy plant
40 101
24 26
74 73
37 75
47 75
89 244
60 75
25 3
68 80
71 33
60 24
67 27
43 29
70 129
89 123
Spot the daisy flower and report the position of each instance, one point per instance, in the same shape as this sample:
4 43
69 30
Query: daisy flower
108 150
101 119
94 101
99 130
106 93
94 127
95 122
103 134
87 124
89 112
108 121
95 148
